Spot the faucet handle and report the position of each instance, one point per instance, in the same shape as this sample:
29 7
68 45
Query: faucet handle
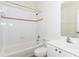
38 36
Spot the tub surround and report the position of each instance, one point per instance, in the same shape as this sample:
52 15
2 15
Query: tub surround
17 36
72 48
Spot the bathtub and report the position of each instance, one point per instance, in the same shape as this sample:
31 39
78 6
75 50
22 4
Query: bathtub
19 50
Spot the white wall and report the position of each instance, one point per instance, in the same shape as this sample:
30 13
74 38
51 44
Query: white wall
49 28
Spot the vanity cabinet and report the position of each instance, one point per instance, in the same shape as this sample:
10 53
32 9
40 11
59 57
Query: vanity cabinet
53 51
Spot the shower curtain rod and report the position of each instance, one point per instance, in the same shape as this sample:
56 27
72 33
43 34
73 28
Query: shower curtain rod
21 5
4 17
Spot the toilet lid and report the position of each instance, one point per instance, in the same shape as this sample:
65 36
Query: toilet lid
41 49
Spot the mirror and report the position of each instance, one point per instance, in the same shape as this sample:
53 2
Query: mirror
70 19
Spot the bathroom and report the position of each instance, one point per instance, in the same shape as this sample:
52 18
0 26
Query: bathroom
36 29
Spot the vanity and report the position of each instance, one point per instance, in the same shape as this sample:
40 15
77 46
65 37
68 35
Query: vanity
69 46
60 48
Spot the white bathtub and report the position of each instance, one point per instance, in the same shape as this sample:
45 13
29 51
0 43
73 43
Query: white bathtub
20 50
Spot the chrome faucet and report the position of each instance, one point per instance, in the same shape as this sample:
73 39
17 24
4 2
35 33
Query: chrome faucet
68 40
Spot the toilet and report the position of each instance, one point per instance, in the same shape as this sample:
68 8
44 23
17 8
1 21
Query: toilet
40 51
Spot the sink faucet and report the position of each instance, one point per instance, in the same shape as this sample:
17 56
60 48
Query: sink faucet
68 40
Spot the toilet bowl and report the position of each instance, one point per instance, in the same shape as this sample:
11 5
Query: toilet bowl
40 52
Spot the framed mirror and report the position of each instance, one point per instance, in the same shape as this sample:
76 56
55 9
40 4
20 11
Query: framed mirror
70 19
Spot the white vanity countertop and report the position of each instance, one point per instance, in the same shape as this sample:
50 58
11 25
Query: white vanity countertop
70 47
